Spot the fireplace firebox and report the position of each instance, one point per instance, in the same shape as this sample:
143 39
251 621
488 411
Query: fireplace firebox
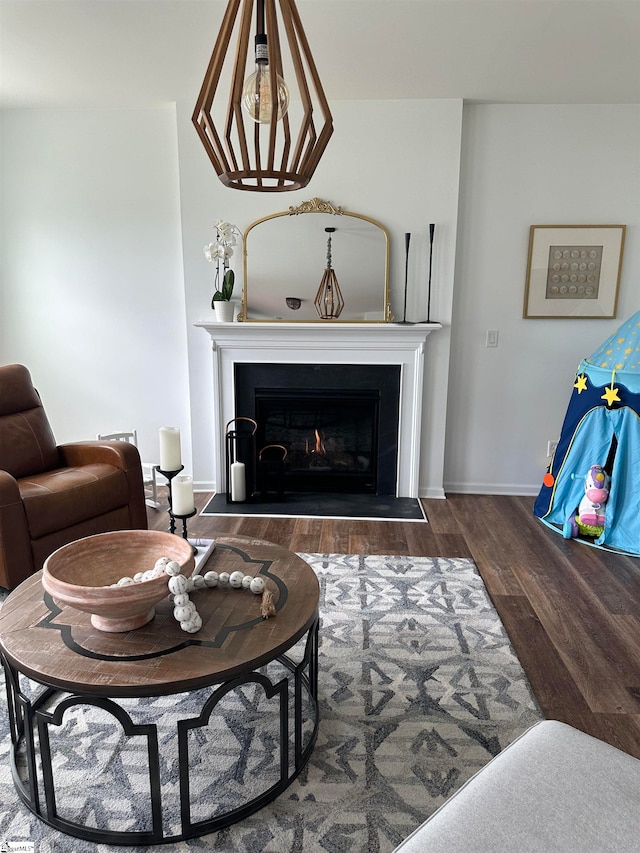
338 424
330 437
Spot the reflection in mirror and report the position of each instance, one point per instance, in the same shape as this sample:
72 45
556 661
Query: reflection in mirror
286 260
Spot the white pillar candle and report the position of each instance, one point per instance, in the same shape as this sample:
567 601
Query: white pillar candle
170 456
182 502
238 482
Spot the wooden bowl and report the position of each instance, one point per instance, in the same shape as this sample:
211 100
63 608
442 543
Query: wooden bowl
79 575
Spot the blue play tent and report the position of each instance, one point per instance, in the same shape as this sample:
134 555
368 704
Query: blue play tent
601 427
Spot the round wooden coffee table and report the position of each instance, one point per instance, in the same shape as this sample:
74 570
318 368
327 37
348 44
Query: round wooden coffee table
236 649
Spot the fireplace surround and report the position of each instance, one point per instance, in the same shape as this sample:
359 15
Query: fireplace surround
334 345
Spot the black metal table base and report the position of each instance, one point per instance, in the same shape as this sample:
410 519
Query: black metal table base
33 758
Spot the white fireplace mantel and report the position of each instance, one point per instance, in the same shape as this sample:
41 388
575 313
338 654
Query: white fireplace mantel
316 343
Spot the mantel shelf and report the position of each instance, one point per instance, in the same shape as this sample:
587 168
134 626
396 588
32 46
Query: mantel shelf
276 324
318 332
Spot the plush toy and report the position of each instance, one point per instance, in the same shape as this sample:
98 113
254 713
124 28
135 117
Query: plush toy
590 518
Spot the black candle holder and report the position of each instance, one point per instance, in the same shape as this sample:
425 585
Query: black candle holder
170 475
184 525
240 446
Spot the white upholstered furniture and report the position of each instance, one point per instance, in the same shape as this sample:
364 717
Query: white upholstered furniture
553 790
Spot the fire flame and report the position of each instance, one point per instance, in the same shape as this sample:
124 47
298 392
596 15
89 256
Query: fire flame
319 446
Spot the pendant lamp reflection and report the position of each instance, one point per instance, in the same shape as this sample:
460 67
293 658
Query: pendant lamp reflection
329 302
273 133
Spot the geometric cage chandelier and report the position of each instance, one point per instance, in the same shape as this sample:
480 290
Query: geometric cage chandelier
277 122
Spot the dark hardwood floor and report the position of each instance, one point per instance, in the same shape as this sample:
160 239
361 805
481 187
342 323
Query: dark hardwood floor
571 611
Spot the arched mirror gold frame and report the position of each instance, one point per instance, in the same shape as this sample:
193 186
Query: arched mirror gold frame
286 255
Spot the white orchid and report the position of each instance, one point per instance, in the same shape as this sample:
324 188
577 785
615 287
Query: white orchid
219 252
227 232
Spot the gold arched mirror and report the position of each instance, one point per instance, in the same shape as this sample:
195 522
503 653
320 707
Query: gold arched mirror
290 256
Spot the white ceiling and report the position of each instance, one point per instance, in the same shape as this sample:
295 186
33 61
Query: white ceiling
132 52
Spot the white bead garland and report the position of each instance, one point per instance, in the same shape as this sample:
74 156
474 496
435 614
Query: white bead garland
257 586
178 584
184 610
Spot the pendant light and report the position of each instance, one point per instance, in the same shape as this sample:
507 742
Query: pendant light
277 125
257 98
329 302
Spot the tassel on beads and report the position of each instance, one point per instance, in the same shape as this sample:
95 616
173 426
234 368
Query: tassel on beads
268 607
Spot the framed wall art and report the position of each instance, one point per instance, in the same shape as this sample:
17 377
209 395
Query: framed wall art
573 271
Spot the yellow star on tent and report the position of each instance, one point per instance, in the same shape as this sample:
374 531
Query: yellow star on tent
581 383
628 351
611 395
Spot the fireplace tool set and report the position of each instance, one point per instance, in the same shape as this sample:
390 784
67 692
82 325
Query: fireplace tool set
244 468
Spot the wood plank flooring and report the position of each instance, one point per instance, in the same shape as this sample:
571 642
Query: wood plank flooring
572 612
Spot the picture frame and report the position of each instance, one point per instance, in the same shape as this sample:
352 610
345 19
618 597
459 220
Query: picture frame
573 271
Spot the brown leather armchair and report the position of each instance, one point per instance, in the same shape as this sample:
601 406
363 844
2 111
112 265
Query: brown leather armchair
51 495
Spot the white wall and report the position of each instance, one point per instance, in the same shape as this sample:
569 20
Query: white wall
397 161
528 165
92 287
99 298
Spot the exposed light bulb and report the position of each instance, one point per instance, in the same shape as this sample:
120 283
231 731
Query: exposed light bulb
257 98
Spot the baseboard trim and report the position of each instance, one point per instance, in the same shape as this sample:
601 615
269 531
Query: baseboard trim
510 489
432 494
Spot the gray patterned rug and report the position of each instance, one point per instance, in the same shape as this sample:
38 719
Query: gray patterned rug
419 688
